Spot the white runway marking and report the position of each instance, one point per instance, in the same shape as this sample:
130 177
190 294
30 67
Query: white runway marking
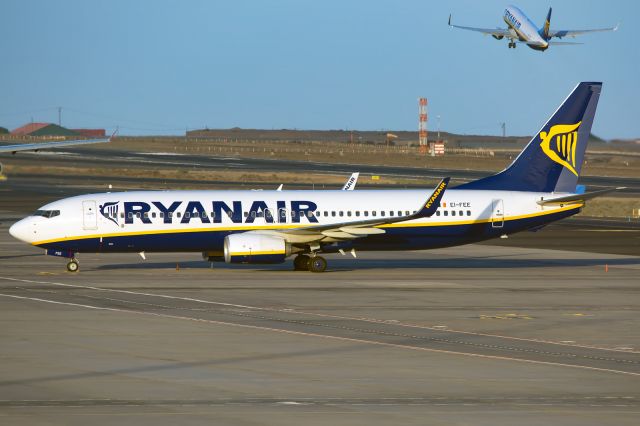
300 333
290 310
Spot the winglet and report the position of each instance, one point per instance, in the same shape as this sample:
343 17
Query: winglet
449 19
350 184
433 202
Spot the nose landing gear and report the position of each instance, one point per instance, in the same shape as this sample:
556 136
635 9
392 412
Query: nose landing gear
73 266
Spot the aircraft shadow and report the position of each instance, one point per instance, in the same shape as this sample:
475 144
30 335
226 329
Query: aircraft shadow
372 264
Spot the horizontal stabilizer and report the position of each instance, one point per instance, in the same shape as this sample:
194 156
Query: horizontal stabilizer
562 43
577 198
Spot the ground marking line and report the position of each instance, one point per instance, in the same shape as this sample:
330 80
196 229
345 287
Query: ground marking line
300 333
290 310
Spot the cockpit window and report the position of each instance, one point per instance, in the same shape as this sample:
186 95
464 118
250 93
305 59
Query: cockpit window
47 213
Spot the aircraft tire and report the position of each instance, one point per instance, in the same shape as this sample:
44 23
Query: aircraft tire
317 264
301 263
73 266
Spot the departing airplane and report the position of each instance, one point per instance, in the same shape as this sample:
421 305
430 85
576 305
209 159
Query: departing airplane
46 145
522 30
538 188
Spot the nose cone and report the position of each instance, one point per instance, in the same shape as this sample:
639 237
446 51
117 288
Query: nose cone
22 231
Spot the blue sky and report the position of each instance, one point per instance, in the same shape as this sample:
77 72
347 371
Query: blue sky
159 67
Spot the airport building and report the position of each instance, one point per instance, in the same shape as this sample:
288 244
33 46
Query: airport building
50 129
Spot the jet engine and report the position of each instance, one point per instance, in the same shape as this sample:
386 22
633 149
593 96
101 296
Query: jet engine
497 37
255 248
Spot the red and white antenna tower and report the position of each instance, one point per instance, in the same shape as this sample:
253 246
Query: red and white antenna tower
422 121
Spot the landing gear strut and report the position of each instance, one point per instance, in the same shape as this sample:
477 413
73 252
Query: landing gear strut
73 266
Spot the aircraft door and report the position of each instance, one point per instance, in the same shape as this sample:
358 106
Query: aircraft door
497 214
89 215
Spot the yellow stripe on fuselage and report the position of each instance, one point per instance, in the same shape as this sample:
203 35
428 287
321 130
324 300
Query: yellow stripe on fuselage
277 227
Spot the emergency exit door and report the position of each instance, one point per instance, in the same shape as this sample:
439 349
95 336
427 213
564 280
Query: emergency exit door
497 214
89 215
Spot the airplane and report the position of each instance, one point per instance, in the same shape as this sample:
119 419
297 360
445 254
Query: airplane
262 227
349 185
46 145
522 30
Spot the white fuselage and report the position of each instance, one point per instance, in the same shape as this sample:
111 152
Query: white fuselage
167 214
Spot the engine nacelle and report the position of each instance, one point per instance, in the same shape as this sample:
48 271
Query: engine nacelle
497 37
255 248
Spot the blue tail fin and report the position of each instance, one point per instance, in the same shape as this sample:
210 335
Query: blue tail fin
544 32
552 160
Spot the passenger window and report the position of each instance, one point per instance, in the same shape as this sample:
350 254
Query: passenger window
366 213
382 213
122 215
406 213
446 213
326 214
468 212
333 214
170 214
138 215
153 215
374 213
318 213
213 214
437 212
161 214
187 215
453 212
341 213
461 213
130 215
204 215
391 213
179 214
246 214
399 213
358 213
146 215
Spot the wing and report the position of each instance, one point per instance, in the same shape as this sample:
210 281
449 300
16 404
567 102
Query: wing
573 33
350 184
577 198
497 32
53 144
360 228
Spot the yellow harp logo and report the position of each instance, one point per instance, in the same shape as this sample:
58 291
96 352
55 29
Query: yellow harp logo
560 144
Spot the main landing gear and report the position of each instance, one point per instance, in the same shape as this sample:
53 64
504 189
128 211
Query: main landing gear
512 45
73 266
312 263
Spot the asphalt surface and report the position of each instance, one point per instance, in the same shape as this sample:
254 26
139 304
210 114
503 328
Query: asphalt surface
475 335
106 158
